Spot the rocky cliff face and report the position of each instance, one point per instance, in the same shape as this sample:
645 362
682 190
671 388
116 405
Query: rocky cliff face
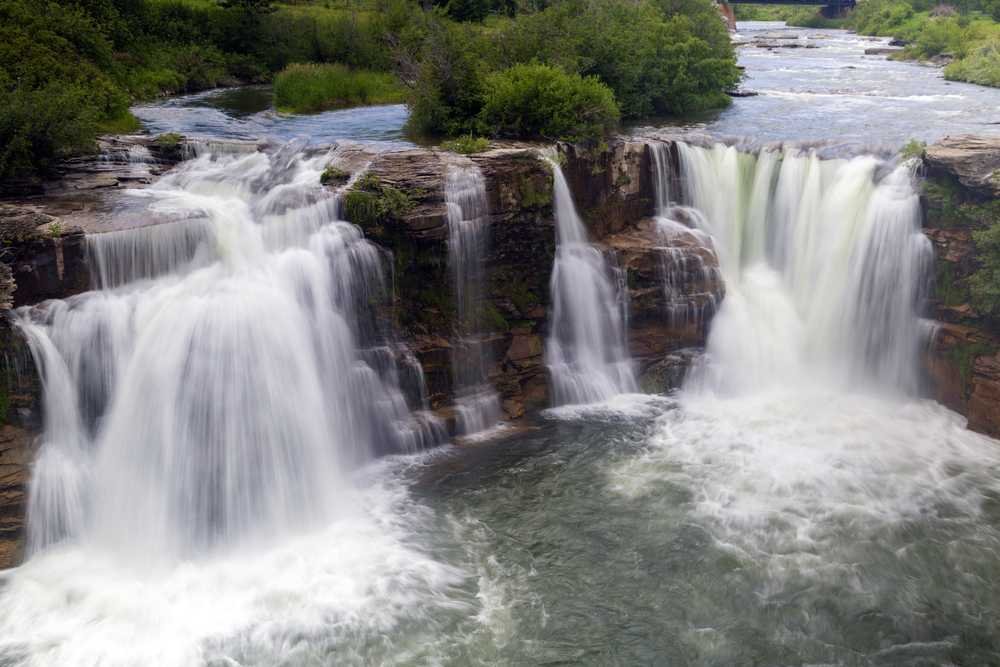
961 197
400 204
398 199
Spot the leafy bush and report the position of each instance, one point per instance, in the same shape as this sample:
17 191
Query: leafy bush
913 149
371 203
53 92
449 67
467 145
985 283
937 35
669 56
540 101
981 65
307 88
880 17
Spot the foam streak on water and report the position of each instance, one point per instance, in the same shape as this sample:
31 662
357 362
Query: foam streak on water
586 350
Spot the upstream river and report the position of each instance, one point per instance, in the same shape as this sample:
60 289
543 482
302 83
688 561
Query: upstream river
807 85
795 504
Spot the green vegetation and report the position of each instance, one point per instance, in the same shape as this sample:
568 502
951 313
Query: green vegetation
980 65
334 176
69 69
984 284
913 149
466 145
801 17
371 203
655 56
542 101
307 88
966 33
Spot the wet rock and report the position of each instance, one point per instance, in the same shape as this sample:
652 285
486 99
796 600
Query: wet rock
46 258
963 364
961 195
674 287
973 160
668 373
611 187
881 51
20 423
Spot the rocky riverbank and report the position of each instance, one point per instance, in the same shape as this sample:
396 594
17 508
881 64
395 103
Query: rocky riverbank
962 196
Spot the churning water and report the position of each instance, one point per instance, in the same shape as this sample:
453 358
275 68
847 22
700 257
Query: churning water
205 492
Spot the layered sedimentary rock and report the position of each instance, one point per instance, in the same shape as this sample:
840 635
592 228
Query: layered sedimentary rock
398 199
400 204
962 196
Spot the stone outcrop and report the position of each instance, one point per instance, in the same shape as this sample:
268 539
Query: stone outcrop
400 205
45 258
961 196
973 161
398 199
20 422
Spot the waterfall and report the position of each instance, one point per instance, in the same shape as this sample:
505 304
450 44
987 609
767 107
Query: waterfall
476 402
825 266
231 372
586 350
680 228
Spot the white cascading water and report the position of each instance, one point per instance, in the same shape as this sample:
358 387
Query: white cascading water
801 436
680 227
586 349
199 495
176 401
825 268
477 404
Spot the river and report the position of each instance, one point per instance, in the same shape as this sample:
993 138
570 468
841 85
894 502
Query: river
796 503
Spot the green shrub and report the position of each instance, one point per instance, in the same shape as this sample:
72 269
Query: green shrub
540 101
662 57
371 203
984 284
936 36
466 145
449 67
913 149
880 17
307 88
981 65
334 176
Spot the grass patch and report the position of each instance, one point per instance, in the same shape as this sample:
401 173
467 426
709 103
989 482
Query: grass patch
334 176
912 149
981 65
466 145
371 203
309 88
123 124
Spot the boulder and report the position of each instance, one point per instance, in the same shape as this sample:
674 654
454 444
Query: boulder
973 160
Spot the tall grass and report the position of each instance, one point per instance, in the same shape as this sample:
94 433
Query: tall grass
308 88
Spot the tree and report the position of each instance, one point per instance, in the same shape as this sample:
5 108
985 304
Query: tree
249 21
